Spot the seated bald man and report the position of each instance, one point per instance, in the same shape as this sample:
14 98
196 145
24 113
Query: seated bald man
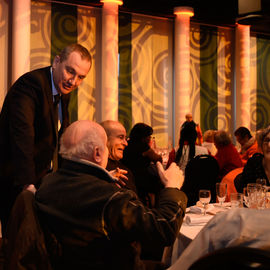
116 143
99 225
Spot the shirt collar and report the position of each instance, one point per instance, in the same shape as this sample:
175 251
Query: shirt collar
54 91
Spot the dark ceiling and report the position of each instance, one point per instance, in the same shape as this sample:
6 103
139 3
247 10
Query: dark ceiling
216 12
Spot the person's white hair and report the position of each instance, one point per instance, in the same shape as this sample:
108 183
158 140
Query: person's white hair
80 139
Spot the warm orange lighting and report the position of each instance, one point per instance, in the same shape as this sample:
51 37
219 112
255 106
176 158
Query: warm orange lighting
184 11
119 2
242 25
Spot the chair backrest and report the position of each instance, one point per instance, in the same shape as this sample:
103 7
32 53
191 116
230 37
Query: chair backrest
24 246
201 173
244 258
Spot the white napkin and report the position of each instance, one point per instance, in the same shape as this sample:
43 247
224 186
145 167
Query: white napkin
194 219
198 209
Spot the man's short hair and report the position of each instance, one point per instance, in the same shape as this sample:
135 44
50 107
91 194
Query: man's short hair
242 132
85 55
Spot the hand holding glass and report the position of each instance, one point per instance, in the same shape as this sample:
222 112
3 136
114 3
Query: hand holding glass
205 197
221 189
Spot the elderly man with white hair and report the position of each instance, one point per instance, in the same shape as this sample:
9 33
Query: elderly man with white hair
97 224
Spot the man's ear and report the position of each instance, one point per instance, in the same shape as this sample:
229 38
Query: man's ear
97 155
56 61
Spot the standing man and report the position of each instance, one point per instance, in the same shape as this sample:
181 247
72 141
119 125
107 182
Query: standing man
117 142
189 119
29 123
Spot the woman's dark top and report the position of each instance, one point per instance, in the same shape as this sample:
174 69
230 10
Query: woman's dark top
144 171
253 170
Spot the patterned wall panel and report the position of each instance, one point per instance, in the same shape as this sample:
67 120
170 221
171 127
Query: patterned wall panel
263 82
88 35
253 84
225 79
4 50
63 33
125 67
40 35
208 77
195 72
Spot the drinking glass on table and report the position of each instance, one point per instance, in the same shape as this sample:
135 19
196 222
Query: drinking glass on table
254 194
236 200
245 194
221 189
261 181
204 197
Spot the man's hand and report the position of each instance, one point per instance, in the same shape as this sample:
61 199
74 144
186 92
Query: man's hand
31 188
172 177
119 174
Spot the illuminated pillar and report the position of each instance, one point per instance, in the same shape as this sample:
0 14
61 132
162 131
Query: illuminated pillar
242 62
182 66
109 68
20 37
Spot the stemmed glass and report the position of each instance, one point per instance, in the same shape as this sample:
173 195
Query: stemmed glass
205 197
221 189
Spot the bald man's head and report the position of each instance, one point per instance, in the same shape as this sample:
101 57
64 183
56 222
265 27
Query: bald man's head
85 140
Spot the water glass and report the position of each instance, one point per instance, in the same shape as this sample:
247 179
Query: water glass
221 189
205 197
236 200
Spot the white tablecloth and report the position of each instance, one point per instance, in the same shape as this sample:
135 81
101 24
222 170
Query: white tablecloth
194 221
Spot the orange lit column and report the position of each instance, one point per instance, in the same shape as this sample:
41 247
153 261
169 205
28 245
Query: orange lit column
242 62
20 37
109 68
182 66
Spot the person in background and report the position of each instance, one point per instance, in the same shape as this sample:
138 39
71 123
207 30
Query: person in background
258 166
187 147
97 224
140 158
189 119
248 143
117 142
208 142
29 123
227 156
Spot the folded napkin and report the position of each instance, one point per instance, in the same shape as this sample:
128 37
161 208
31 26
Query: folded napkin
193 219
198 209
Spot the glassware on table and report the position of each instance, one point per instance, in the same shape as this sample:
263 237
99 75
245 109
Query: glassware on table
221 189
236 200
204 197
245 194
267 196
261 181
255 195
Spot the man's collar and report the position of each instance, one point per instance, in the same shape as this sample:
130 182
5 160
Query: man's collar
54 91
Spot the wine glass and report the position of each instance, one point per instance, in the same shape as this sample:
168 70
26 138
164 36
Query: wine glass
205 197
221 189
245 193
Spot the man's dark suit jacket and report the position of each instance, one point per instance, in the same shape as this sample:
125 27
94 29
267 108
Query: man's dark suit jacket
28 136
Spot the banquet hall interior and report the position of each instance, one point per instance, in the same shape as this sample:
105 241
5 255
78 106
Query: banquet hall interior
153 61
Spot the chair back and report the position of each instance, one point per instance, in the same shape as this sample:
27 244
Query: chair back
201 173
24 243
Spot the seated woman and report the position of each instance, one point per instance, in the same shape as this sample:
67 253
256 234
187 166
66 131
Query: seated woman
258 166
139 157
227 155
187 148
208 142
